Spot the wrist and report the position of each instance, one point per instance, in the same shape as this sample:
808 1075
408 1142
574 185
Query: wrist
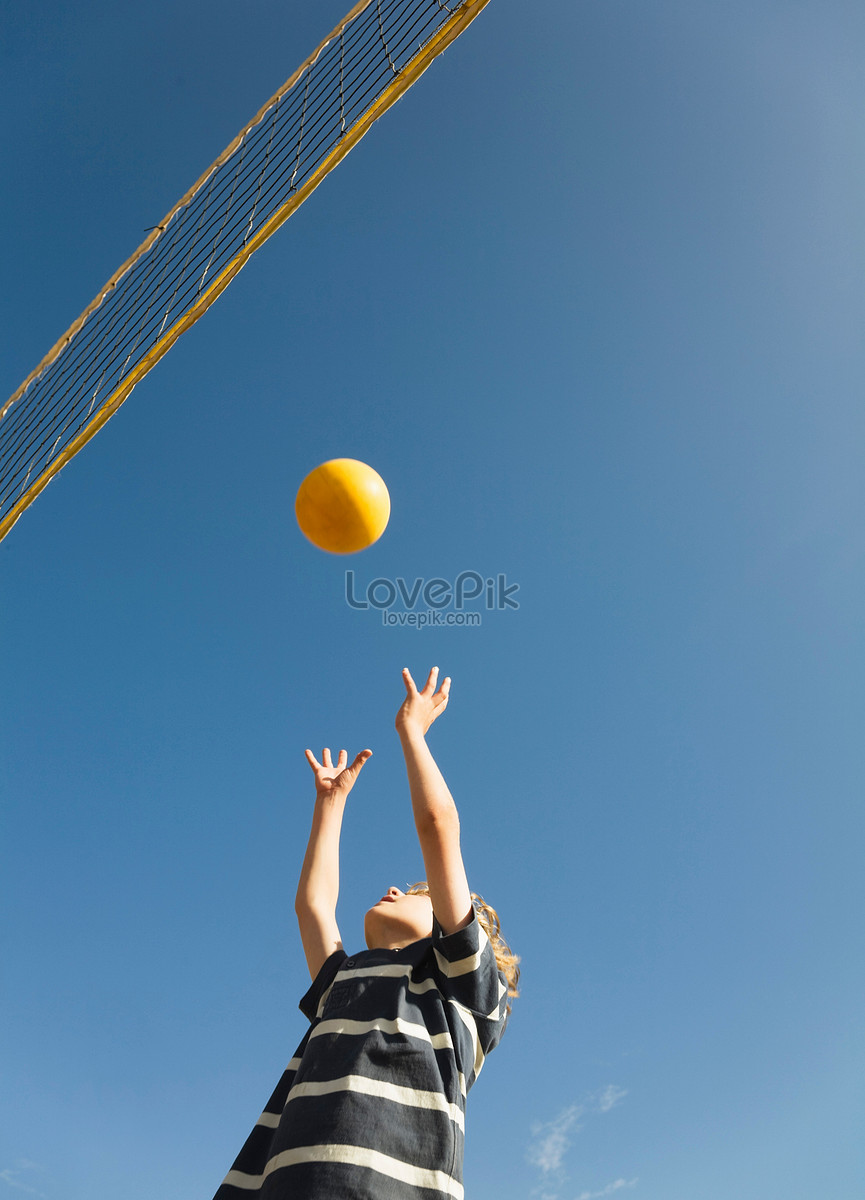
334 798
410 732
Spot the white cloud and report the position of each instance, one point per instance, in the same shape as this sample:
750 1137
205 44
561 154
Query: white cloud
610 1096
11 1176
608 1190
553 1139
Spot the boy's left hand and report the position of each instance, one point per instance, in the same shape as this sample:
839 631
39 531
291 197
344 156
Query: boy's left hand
420 709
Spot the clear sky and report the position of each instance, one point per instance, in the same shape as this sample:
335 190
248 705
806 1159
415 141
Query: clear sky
590 298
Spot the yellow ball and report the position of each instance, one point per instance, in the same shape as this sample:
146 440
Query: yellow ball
343 506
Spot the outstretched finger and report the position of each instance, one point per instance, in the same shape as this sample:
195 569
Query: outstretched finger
325 757
410 686
312 760
430 686
342 760
360 759
445 690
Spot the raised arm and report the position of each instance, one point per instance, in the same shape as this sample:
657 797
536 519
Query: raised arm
318 888
435 814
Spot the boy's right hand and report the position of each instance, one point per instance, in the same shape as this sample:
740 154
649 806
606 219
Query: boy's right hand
333 780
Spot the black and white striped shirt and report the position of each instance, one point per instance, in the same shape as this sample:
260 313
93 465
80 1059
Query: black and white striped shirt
372 1105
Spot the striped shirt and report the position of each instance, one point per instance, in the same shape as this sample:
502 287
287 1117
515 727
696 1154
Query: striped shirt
372 1105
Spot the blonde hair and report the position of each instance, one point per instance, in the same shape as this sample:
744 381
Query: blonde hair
488 919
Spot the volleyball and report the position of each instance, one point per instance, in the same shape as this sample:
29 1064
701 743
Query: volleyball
342 506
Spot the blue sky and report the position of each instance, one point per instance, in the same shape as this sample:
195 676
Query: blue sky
590 299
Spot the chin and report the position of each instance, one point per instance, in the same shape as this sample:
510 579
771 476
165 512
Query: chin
391 924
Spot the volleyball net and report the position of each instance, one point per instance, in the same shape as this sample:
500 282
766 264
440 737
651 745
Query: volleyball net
369 60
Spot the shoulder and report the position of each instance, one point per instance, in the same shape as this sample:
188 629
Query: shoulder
325 977
462 951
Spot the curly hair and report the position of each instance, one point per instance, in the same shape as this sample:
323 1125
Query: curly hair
488 919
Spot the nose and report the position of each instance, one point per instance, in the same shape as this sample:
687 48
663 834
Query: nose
394 891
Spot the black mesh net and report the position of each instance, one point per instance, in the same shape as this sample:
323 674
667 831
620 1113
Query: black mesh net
191 256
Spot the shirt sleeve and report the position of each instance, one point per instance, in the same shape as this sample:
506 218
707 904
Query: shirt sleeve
325 977
469 977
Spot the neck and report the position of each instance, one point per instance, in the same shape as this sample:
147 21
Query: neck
392 944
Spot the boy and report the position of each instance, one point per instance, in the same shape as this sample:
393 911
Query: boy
372 1106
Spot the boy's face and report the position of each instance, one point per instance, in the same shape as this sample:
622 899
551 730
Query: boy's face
398 920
